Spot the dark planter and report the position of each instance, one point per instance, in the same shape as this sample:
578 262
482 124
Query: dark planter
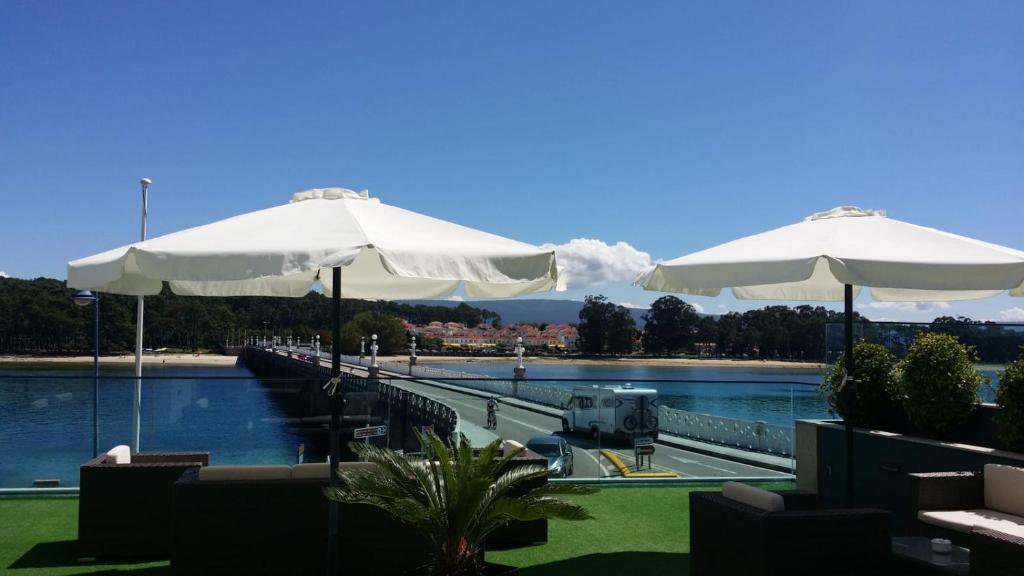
882 461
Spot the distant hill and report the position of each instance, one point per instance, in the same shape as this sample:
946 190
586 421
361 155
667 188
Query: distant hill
539 311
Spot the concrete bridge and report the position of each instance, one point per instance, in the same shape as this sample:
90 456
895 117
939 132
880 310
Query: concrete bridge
521 420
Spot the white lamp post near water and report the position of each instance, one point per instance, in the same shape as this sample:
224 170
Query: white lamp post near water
520 370
412 354
84 298
137 394
374 368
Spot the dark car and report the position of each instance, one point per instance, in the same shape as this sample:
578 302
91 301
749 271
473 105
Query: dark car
557 451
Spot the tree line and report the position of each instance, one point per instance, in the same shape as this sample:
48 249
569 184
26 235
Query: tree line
38 317
673 326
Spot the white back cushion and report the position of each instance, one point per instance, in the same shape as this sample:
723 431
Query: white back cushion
1004 489
228 473
119 455
752 496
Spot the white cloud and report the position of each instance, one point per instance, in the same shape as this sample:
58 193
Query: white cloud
1015 314
906 306
587 262
4 274
455 298
697 307
628 305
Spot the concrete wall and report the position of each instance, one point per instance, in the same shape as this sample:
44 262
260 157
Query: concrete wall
882 461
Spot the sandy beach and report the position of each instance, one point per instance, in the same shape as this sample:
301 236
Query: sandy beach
174 359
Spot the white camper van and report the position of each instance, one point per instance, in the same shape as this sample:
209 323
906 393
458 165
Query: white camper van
620 411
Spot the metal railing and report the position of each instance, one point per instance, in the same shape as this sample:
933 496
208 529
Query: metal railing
750 435
757 436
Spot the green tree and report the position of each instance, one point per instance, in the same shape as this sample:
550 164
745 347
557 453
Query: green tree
939 383
621 330
454 499
593 327
877 403
1010 398
670 326
391 335
605 327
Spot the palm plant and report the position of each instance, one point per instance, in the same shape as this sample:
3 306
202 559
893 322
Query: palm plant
454 499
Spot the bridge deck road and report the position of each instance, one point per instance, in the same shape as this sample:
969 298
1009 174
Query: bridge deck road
520 424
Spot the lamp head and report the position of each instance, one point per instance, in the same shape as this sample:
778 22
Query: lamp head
83 297
145 181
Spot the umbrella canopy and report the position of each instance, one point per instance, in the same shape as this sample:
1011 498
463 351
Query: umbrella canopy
815 258
831 255
386 253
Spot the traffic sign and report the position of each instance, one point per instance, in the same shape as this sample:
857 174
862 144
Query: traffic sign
643 441
370 432
645 449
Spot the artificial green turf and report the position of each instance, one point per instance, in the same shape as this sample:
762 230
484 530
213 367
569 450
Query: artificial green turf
635 528
40 536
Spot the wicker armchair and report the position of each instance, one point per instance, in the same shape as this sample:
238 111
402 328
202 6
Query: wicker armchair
730 537
124 510
992 551
996 553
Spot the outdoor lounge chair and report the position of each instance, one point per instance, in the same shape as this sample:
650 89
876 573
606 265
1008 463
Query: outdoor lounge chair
749 531
274 520
983 511
124 501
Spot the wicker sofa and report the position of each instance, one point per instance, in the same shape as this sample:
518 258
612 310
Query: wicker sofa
274 520
124 502
983 511
745 530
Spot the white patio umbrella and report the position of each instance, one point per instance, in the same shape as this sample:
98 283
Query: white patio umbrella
385 252
832 255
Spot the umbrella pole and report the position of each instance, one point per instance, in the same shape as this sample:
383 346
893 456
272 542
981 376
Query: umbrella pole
335 407
849 390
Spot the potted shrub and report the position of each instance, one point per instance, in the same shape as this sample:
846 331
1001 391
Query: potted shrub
454 499
1010 398
939 383
877 403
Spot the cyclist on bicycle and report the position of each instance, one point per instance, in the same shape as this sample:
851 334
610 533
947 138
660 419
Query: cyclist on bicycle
492 417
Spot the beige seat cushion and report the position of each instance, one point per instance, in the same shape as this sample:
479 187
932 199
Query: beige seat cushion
226 473
753 496
320 471
1004 489
119 455
312 471
965 520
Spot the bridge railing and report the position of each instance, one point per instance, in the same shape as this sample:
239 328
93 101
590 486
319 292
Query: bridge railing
743 434
756 436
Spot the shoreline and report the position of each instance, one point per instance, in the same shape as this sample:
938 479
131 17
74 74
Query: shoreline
221 360
668 362
147 360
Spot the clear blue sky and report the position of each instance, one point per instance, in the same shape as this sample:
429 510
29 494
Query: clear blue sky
671 126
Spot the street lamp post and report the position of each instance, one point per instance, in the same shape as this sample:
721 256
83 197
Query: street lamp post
412 355
83 298
137 395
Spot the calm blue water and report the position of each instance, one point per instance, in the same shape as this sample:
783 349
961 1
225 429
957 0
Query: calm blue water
46 425
779 397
